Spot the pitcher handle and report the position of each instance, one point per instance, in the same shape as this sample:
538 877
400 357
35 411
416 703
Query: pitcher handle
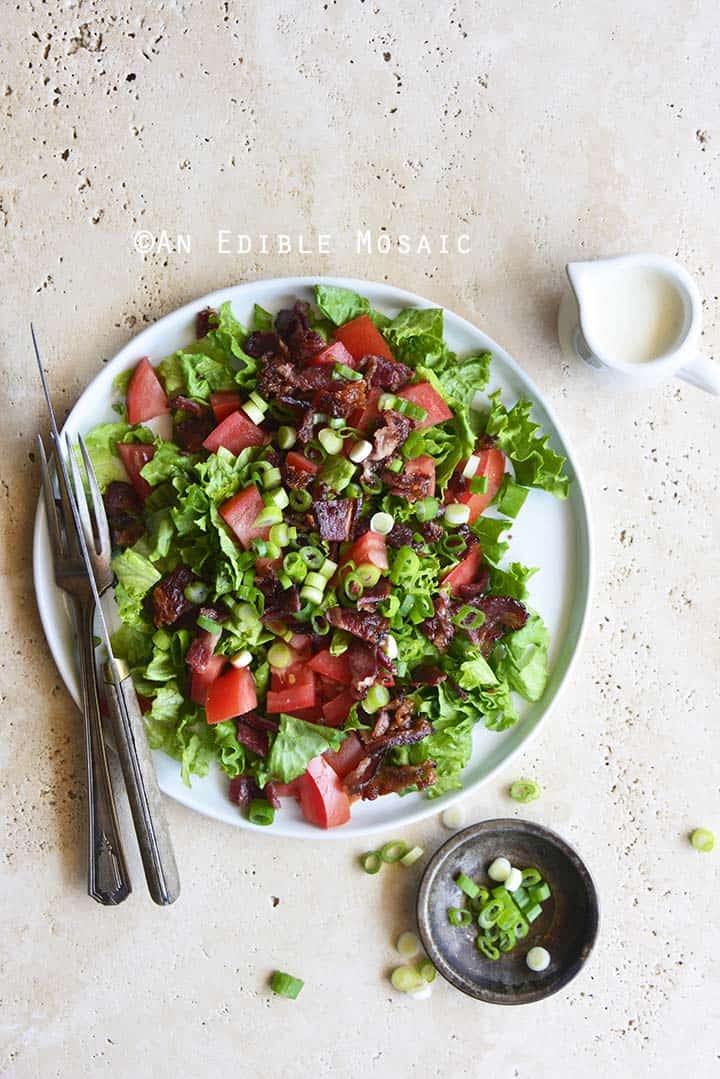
703 373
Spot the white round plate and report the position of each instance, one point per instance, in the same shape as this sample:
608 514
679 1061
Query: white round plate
551 534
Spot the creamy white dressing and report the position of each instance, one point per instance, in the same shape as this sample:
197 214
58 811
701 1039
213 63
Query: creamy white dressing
633 313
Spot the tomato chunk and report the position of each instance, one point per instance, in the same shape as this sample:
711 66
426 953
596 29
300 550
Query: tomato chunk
146 397
235 433
417 466
301 695
335 667
368 548
364 418
239 513
424 395
295 674
334 353
465 572
135 455
223 403
203 678
302 463
322 799
492 465
362 338
346 758
336 711
232 694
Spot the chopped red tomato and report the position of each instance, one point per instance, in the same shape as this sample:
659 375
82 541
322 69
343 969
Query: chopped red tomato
301 695
362 338
223 403
310 715
363 418
232 694
334 353
322 799
240 512
465 572
285 790
336 711
424 395
146 397
492 465
302 463
235 433
135 455
368 548
420 467
335 667
295 674
202 679
301 645
346 758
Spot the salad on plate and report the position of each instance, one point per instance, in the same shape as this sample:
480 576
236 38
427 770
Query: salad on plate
310 521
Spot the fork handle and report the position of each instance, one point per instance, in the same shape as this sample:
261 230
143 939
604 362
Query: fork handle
143 791
108 878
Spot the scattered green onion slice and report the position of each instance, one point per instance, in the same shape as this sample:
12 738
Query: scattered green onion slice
329 441
341 370
252 412
499 870
286 437
312 595
241 659
382 523
279 656
209 624
453 817
479 485
531 876
466 885
408 945
279 535
490 914
386 401
368 574
277 498
426 509
393 851
538 959
540 893
300 500
261 812
427 971
272 477
377 697
405 979
459 916
196 592
360 451
271 515
371 861
328 568
285 985
412 856
506 940
525 790
312 557
457 513
530 914
703 840
489 950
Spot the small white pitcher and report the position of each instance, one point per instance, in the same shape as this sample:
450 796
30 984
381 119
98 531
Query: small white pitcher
602 294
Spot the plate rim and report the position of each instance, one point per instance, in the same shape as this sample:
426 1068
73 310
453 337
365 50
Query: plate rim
403 298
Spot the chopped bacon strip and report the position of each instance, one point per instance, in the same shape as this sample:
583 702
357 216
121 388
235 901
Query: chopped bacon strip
192 432
261 344
427 675
341 398
260 723
279 602
334 518
431 531
392 780
439 629
372 596
502 615
186 404
390 435
124 510
398 736
293 327
399 536
252 739
168 597
364 667
355 781
243 789
367 625
205 321
389 375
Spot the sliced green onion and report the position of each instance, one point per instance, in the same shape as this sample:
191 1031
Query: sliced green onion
540 893
393 851
371 861
316 580
353 490
703 840
479 485
286 437
196 592
339 642
353 587
506 941
395 465
469 887
368 574
209 624
525 790
521 899
488 950
514 880
468 618
294 565
409 408
336 423
412 856
508 916
408 945
328 568
271 515
533 912
405 979
499 870
480 900
387 401
261 812
320 624
241 659
382 523
538 959
457 513
471 466
279 656
360 451
377 697
531 876
341 370
427 971
491 913
258 401
329 441
300 500
285 985
427 509
279 535
312 557
459 916
252 412
312 595
320 417
272 477
453 818
405 567
278 498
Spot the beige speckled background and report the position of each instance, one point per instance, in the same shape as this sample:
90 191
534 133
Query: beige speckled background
547 131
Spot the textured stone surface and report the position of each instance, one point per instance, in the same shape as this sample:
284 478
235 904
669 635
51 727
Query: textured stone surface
546 131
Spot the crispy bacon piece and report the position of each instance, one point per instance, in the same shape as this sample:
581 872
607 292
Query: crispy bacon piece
393 430
271 796
252 739
399 536
280 602
386 374
192 432
124 510
413 485
242 790
260 723
262 343
364 667
366 625
186 404
201 649
475 588
398 736
431 531
355 781
372 596
169 601
341 398
205 321
305 430
427 675
439 629
392 780
293 327
334 518
502 615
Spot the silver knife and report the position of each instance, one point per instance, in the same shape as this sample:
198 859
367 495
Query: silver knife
131 737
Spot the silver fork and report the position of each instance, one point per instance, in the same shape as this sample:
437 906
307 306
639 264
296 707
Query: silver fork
108 880
131 740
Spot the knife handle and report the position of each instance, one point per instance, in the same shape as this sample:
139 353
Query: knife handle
143 792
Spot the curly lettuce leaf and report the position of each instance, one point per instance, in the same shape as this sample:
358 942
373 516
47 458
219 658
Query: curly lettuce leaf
101 442
489 531
295 745
262 320
511 580
518 436
340 305
525 661
416 338
463 380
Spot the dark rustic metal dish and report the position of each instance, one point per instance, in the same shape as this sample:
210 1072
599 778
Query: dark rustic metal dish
567 927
